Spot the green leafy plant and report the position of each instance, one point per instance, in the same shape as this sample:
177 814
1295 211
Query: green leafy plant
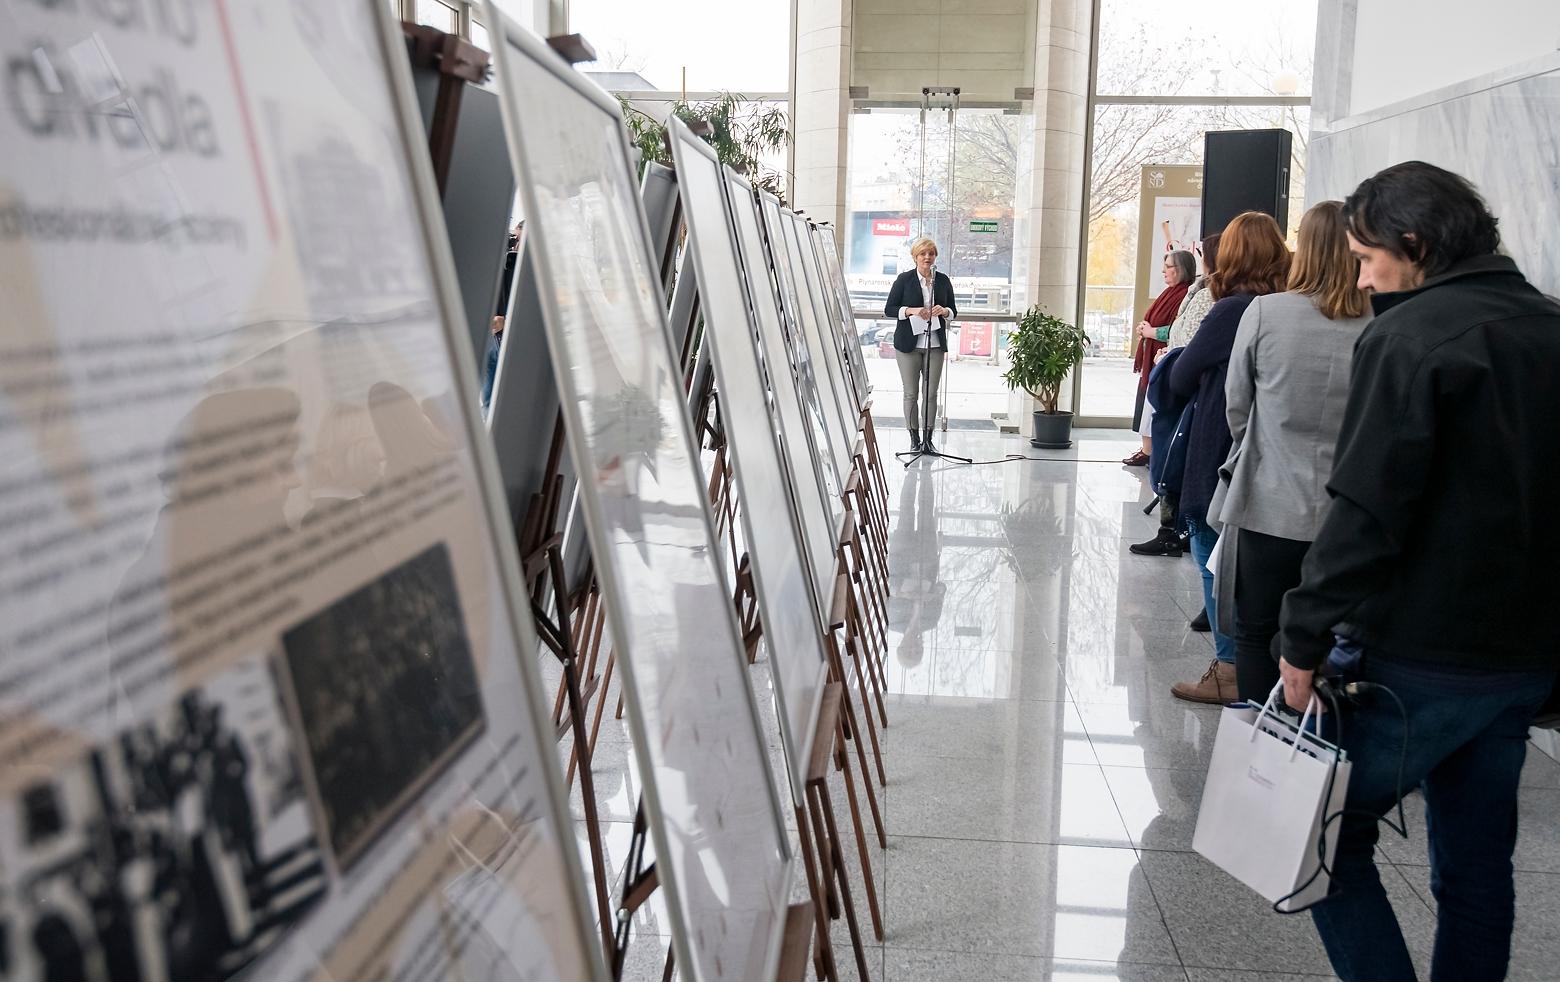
1043 349
742 133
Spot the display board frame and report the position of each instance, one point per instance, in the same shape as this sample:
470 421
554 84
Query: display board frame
822 339
240 346
812 379
850 391
819 512
678 640
784 585
828 256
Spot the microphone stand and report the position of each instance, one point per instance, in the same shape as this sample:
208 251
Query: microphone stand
926 398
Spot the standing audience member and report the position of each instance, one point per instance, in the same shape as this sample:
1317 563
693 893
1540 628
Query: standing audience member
1253 261
1288 382
1198 299
1171 540
1436 563
496 326
1180 269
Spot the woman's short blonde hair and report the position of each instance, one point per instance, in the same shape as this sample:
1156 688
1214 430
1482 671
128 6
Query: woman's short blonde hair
921 244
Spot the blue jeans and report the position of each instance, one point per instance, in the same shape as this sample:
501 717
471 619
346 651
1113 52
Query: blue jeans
1203 540
1467 743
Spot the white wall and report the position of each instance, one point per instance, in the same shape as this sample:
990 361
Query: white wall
1405 48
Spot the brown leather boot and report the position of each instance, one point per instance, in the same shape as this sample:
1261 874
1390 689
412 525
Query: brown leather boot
1216 687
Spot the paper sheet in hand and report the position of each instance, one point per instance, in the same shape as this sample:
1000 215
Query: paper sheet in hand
919 325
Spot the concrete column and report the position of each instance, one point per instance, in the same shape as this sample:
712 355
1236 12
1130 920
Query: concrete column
820 114
1054 194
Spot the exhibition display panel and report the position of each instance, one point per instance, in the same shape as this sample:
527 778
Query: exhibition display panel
785 590
267 706
722 859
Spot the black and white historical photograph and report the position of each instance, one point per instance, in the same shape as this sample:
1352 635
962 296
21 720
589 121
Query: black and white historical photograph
387 694
181 849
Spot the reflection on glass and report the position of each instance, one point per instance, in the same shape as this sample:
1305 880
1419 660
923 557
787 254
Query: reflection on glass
708 785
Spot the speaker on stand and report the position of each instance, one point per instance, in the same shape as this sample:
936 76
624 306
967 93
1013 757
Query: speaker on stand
1245 170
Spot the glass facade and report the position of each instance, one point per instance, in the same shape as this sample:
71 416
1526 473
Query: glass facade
1163 82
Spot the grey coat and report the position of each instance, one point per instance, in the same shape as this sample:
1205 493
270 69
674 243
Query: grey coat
1287 387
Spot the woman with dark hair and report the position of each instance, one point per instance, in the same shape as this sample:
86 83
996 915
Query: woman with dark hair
1180 269
1253 261
1284 399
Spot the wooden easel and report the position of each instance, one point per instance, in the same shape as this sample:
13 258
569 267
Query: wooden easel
640 881
541 561
831 735
458 62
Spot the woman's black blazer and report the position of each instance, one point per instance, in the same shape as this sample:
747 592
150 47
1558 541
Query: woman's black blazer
906 292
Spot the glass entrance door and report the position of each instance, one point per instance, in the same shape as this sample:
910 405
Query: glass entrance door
952 175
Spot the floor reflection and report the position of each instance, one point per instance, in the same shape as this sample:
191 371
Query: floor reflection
1043 784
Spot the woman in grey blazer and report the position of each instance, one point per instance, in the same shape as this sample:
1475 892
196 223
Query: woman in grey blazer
1285 394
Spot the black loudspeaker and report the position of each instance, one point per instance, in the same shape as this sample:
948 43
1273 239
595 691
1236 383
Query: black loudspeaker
1245 170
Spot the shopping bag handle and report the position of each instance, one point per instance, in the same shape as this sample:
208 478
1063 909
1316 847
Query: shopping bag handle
1271 706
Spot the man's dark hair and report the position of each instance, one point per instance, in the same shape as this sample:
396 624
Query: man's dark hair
1430 216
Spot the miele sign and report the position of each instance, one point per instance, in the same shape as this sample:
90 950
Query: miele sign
891 226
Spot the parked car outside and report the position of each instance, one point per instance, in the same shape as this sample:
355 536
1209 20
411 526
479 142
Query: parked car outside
886 343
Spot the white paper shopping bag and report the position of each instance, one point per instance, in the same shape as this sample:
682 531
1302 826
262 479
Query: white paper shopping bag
1270 787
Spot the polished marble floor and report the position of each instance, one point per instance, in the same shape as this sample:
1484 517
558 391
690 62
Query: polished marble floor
1043 785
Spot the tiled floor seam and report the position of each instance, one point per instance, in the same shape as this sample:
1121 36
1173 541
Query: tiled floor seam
1029 954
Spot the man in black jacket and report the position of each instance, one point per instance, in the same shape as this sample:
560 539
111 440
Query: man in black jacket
1434 567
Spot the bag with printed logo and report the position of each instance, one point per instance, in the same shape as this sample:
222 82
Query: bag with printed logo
1271 786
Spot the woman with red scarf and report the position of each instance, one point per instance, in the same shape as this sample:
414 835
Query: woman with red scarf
1179 271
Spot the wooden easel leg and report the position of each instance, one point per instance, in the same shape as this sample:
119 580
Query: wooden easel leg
595 718
875 576
865 690
875 626
842 761
830 846
867 681
794 943
848 721
671 967
850 559
828 856
874 630
598 860
818 889
844 881
875 457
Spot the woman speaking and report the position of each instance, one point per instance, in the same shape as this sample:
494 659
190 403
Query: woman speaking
922 301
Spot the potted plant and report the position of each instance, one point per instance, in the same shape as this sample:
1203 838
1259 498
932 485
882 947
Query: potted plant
1043 349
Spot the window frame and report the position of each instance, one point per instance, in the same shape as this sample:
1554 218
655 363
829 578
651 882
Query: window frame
1093 99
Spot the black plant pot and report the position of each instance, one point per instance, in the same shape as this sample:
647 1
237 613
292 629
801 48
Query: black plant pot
1053 431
